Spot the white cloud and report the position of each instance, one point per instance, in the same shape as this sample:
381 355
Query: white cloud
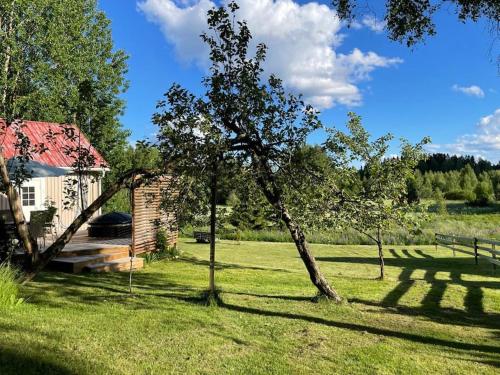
302 42
469 90
484 142
371 22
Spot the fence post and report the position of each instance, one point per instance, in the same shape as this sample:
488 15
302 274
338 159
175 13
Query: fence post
436 241
475 250
453 245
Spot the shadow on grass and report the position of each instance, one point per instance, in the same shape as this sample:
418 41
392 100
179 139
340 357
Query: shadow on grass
431 303
32 356
394 253
370 329
489 352
16 363
101 288
105 288
222 266
422 254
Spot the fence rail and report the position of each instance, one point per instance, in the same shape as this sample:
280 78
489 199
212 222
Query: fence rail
463 244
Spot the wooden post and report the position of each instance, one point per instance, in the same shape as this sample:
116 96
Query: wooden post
475 250
213 218
132 208
453 245
132 245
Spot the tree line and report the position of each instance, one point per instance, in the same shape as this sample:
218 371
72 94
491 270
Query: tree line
439 162
463 184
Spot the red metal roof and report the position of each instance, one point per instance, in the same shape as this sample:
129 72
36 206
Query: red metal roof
62 143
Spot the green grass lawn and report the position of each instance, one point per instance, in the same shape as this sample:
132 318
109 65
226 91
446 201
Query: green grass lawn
433 314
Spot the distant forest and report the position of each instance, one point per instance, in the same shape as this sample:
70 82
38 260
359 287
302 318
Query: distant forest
445 163
442 176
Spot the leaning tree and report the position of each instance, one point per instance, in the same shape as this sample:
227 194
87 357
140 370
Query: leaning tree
252 117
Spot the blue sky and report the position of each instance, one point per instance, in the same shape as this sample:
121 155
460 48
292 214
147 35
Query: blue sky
447 88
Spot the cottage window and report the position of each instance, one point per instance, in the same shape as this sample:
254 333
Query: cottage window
28 195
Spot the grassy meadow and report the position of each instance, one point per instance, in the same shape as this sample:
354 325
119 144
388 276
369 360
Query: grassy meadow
460 219
434 313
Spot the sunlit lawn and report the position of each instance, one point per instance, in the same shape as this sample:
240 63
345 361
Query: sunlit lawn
433 314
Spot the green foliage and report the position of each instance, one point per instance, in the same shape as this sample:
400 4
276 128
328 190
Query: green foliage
9 288
440 203
163 249
468 179
142 155
66 67
495 180
483 192
382 202
59 64
410 22
120 202
457 195
412 192
457 184
251 209
446 163
462 220
8 243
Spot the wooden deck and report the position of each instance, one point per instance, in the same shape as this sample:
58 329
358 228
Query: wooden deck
81 237
93 254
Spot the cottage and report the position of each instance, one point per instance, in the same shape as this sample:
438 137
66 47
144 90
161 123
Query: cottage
69 192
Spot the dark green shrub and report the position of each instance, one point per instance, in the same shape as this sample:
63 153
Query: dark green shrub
456 195
483 194
7 243
163 249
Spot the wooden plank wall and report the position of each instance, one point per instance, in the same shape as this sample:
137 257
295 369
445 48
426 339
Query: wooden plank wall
54 191
149 216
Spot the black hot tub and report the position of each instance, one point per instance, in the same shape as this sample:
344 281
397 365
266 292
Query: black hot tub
113 224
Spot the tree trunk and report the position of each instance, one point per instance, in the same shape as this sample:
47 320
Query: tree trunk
16 208
307 257
381 261
54 249
213 219
15 204
268 185
380 255
7 65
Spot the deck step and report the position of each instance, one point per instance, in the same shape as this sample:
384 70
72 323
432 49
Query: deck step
72 250
122 264
76 264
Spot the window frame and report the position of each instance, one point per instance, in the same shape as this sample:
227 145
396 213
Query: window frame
28 196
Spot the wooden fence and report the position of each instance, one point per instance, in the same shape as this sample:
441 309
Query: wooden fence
149 216
481 248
